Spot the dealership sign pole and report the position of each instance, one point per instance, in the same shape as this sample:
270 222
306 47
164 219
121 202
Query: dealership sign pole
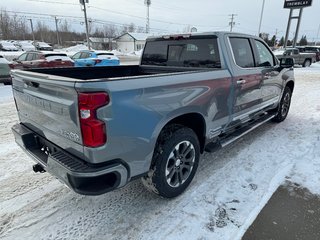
292 5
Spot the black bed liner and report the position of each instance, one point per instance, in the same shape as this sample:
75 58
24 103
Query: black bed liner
87 73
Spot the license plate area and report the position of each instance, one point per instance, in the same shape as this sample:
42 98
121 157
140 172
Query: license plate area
43 149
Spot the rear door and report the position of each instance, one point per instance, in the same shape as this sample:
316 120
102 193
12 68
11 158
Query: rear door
47 104
29 63
247 79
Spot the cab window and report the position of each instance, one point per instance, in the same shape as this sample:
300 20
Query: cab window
242 52
265 57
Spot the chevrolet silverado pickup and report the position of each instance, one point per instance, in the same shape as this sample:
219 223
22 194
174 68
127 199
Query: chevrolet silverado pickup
305 59
96 129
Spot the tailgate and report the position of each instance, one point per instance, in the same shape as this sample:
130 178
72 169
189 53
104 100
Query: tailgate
48 105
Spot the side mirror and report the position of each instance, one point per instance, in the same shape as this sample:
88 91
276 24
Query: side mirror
15 59
286 62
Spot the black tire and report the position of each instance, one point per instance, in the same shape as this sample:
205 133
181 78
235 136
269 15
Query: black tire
307 63
284 106
173 169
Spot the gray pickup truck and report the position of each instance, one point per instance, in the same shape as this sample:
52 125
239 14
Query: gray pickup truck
98 128
305 59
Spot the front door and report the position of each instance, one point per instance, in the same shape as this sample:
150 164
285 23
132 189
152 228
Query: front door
247 79
271 82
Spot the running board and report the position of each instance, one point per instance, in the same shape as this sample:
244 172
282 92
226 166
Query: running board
243 131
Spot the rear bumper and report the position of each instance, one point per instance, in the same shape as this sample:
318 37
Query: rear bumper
80 176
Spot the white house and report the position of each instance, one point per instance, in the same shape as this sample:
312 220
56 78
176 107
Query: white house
129 42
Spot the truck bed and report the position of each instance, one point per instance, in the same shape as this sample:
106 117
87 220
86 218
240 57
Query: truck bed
113 72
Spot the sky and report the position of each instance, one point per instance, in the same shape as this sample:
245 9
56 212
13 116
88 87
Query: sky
176 16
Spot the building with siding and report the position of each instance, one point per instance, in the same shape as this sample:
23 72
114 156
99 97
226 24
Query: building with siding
130 42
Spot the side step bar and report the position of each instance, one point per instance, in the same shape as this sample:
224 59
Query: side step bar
226 140
243 131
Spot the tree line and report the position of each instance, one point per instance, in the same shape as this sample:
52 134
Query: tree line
15 27
274 42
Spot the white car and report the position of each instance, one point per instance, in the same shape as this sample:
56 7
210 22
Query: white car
7 46
25 46
42 46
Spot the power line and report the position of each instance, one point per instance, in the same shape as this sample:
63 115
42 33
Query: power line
26 14
43 1
128 15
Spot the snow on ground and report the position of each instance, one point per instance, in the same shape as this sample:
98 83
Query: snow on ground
230 188
5 94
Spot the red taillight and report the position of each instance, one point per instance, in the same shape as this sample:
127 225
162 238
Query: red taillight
93 130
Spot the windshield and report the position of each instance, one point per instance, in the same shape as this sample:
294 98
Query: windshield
199 53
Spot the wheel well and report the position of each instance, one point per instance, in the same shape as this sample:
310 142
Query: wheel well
196 122
290 84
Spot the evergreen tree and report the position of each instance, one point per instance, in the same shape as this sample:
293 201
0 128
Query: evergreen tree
303 41
273 41
281 42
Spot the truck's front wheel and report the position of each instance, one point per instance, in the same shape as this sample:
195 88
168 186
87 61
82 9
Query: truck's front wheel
284 105
175 161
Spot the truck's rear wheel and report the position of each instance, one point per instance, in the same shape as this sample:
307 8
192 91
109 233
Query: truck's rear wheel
307 63
284 105
175 161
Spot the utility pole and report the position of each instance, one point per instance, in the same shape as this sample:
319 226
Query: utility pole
275 42
83 3
31 24
261 17
232 22
148 3
57 30
315 42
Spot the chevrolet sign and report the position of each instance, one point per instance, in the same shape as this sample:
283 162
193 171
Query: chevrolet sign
297 3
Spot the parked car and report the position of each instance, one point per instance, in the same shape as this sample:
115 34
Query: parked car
25 46
41 59
5 77
300 58
98 128
95 59
8 47
42 46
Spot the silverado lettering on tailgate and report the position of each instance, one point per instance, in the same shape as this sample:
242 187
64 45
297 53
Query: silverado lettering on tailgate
41 103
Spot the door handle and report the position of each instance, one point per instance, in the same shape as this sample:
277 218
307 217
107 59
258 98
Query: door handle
241 81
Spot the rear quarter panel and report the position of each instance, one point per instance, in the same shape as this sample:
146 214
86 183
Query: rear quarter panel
136 114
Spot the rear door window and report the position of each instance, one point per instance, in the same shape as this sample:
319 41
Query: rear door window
85 55
198 53
242 52
30 56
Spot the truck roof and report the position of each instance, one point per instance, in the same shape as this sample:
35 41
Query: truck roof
187 35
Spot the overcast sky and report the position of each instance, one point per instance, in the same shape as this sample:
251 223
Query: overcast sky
174 16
